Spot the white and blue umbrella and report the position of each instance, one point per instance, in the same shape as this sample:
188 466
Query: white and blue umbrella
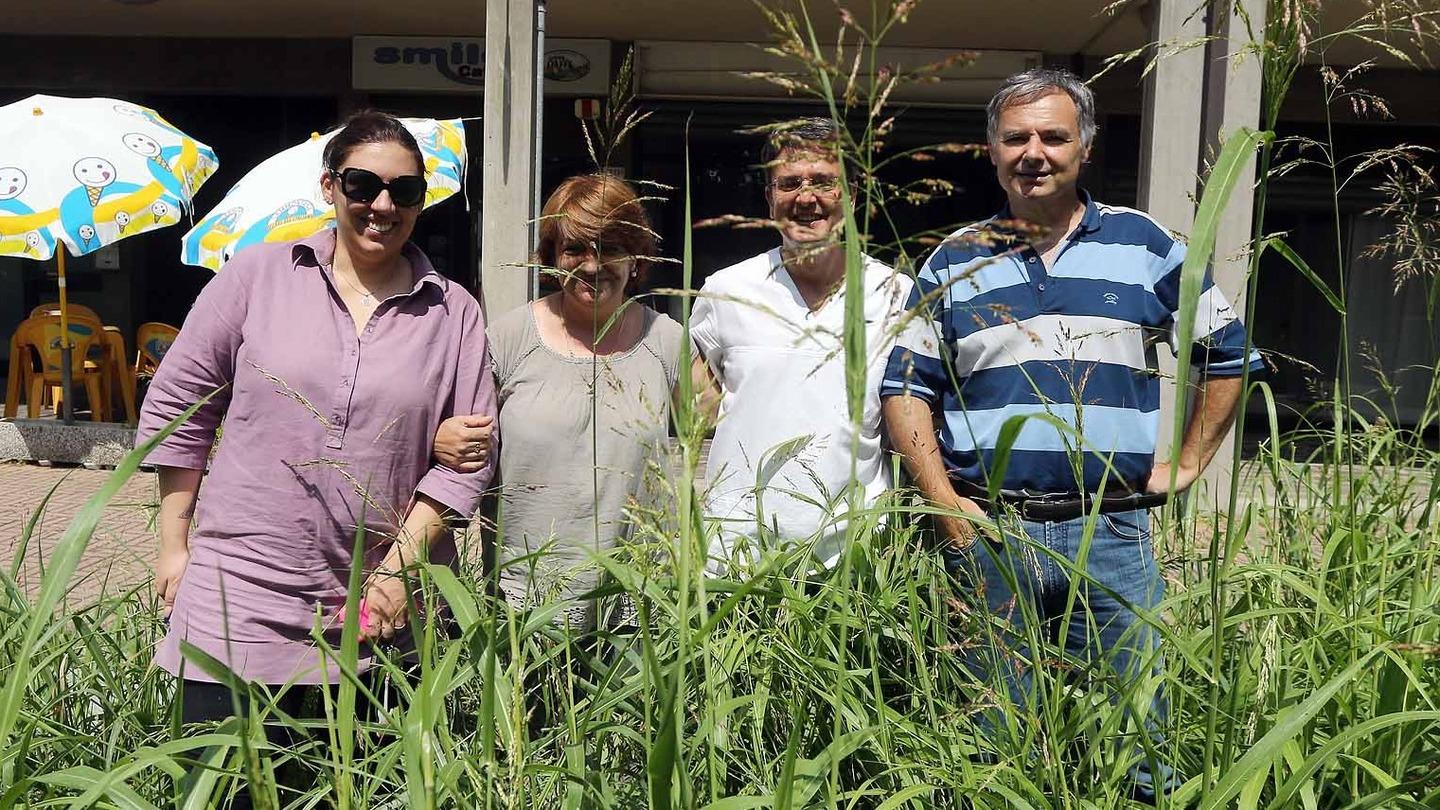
280 199
83 173
91 171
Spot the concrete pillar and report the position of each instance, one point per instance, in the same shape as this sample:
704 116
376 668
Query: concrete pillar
1170 120
512 142
1232 101
1192 100
1169 144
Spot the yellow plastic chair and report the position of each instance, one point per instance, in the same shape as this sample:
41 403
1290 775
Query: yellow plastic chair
53 308
38 339
19 377
152 340
110 355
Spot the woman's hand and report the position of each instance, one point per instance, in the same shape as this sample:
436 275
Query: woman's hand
386 597
463 442
169 569
387 607
178 488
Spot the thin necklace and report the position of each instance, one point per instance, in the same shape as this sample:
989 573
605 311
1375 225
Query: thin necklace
367 298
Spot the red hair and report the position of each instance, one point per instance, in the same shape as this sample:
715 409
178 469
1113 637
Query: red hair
599 210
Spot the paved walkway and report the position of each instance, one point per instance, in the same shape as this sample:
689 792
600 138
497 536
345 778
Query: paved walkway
120 550
123 546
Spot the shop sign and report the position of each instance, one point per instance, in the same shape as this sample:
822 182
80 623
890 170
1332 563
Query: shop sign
573 67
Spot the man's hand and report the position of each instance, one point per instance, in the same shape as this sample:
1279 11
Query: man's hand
912 434
169 569
1211 416
463 442
1159 481
957 532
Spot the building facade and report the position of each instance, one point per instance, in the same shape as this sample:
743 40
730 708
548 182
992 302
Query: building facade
250 79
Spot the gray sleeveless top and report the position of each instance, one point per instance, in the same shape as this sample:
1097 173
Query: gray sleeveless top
577 435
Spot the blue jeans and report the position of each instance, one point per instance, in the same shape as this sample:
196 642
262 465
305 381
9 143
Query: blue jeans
1027 584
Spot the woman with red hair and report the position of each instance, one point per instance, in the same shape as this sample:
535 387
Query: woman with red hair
584 377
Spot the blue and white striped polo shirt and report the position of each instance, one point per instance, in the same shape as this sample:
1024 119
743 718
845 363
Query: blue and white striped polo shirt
1076 342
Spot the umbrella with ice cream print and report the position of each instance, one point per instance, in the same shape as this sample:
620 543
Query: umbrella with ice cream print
280 199
91 171
77 174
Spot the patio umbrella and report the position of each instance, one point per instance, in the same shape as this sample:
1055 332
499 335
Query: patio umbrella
280 199
78 174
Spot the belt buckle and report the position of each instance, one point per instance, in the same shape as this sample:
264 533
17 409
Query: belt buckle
1027 496
1044 502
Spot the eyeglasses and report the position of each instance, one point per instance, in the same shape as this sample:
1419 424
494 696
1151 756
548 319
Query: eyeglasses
363 186
823 185
611 251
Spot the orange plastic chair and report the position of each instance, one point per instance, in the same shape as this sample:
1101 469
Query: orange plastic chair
152 340
110 355
39 338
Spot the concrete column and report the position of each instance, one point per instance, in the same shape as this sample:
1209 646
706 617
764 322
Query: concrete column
1232 100
512 141
1169 144
1170 121
1193 99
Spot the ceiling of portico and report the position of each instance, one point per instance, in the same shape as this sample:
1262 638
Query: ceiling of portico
1052 26
1059 25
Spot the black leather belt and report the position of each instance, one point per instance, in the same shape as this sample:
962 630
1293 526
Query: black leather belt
1054 506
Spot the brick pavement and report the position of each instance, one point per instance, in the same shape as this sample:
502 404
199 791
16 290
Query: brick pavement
123 545
120 550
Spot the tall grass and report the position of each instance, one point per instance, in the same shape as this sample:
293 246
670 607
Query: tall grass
1326 692
1300 647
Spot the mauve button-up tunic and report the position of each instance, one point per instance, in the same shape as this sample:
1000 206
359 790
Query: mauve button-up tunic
323 431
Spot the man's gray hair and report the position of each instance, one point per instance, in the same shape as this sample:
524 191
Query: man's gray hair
822 134
1023 88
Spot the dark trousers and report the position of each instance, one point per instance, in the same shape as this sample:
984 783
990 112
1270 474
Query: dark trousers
202 702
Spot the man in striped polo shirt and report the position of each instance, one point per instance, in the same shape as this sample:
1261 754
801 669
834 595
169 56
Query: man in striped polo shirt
1052 311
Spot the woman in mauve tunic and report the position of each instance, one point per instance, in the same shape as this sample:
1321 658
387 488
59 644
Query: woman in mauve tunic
336 358
584 410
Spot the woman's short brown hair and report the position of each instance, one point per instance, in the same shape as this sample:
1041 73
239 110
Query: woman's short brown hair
600 210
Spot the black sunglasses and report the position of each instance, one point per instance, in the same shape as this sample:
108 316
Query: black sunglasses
363 186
